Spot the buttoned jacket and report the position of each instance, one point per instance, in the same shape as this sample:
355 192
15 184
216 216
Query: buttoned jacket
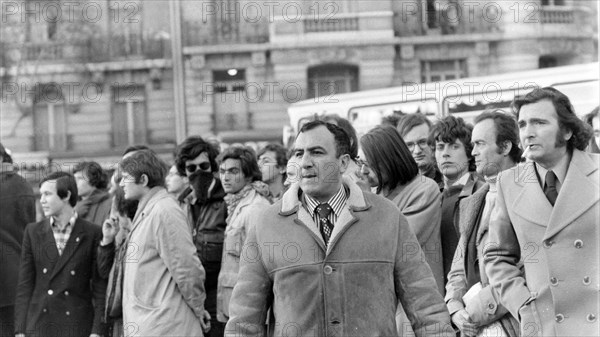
559 295
351 287
60 295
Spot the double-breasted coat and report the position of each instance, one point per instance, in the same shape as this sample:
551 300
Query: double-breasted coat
559 247
60 295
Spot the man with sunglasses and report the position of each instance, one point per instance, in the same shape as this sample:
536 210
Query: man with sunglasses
206 212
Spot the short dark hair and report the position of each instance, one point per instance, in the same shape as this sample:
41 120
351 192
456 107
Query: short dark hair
342 141
410 121
389 156
6 158
191 148
506 131
349 129
567 119
134 148
451 128
278 149
247 158
148 163
94 173
65 183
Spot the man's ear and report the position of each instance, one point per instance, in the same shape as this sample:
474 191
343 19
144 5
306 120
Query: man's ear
344 162
144 180
506 147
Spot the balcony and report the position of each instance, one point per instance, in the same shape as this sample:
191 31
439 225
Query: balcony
103 49
343 26
196 33
557 15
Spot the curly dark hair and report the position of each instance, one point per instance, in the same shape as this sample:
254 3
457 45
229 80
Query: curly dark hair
94 173
247 158
191 148
567 119
451 128
148 163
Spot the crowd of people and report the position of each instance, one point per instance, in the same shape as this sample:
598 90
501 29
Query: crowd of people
415 228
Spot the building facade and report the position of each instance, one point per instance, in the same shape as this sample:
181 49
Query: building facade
87 79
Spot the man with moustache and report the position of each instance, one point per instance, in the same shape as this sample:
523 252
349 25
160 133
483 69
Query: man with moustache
547 215
495 142
206 210
337 260
452 139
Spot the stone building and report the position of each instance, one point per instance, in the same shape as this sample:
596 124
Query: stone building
87 79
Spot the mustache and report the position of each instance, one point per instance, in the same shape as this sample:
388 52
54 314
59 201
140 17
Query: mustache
200 181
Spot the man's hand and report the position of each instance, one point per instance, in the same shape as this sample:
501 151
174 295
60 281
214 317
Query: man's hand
20 335
462 321
110 228
205 322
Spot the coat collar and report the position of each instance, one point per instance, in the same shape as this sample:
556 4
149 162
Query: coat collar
77 236
578 193
291 204
146 203
292 199
471 207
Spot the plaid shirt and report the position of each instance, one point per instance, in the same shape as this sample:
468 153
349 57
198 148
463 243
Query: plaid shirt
61 236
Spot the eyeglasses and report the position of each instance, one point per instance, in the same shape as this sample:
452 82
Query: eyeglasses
421 142
191 168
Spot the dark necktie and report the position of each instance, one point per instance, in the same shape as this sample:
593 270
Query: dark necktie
550 187
326 226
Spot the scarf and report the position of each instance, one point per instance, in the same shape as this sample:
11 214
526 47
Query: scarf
83 206
232 200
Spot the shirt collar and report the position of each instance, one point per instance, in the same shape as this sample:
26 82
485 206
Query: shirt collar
463 180
336 202
560 170
54 223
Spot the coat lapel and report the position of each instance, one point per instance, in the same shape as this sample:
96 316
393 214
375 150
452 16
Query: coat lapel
531 203
578 193
77 236
470 209
48 244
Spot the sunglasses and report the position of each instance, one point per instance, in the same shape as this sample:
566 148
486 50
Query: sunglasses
204 166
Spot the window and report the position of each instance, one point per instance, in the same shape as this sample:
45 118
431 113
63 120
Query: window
50 119
553 2
547 61
430 14
445 70
327 80
230 106
128 114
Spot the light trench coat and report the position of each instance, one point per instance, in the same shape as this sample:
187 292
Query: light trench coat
163 284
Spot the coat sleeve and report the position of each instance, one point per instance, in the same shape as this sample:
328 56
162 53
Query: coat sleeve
26 281
99 284
502 256
105 258
416 288
456 287
249 301
176 249
485 308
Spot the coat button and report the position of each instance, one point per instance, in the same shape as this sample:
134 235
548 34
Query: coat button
44 270
547 243
327 270
491 306
559 318
578 244
587 281
66 293
68 313
45 310
591 318
553 281
50 292
73 272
